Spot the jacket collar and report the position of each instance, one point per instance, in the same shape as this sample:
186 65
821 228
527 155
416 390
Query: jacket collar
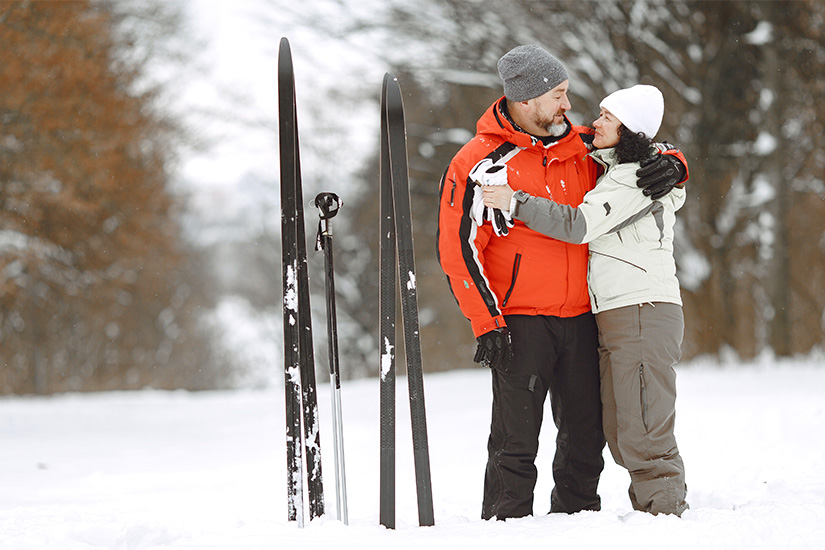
606 157
495 122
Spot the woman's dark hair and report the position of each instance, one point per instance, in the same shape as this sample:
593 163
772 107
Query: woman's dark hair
632 146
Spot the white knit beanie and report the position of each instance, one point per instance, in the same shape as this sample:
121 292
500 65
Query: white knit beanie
640 108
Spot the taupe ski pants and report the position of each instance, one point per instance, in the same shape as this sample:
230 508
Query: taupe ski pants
638 347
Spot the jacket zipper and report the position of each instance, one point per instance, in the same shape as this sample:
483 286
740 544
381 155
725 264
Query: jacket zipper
452 194
619 259
516 264
590 292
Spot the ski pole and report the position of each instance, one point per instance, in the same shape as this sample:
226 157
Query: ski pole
328 205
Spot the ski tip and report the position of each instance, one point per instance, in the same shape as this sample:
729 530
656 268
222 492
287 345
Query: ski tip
284 46
392 88
285 77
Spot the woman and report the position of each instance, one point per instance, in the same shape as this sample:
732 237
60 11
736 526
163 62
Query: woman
633 291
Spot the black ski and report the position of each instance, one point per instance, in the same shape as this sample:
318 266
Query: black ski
302 433
397 240
387 296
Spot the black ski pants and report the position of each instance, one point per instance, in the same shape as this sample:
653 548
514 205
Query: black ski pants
560 356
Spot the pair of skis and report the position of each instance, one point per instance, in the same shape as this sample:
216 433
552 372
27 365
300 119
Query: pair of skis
396 249
303 438
302 430
303 435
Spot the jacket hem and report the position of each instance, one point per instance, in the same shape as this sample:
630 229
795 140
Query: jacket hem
634 300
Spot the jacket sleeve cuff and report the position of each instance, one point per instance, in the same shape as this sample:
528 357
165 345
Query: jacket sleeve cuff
488 324
519 197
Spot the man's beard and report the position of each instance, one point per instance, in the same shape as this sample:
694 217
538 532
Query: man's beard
547 125
557 130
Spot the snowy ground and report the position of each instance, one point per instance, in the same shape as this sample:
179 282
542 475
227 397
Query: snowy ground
152 470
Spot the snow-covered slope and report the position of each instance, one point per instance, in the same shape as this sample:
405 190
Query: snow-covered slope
152 470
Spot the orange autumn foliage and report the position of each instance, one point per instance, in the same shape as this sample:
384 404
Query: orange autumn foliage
91 285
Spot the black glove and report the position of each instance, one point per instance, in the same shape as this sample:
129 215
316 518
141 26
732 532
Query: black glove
494 349
659 174
501 223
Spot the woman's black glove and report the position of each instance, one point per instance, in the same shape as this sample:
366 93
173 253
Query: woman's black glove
659 174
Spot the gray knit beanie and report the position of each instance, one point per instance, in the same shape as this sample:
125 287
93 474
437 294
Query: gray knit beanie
529 71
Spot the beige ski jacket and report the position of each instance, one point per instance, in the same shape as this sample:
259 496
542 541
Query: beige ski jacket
630 235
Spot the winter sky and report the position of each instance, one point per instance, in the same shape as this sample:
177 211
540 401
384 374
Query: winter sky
239 62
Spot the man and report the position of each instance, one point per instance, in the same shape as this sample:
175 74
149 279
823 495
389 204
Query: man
525 294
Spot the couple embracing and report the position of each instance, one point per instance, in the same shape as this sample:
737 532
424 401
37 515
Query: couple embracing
557 243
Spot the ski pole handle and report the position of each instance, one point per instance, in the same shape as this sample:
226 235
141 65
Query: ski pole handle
328 204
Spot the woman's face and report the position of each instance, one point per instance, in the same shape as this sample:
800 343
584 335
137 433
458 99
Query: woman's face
607 130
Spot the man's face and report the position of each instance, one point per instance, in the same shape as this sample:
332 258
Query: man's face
548 110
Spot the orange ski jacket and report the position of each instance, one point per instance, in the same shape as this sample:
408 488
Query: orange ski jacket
524 272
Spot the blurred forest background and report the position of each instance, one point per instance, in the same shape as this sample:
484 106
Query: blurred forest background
115 274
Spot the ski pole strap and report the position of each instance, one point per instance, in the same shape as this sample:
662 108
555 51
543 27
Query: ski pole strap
328 205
